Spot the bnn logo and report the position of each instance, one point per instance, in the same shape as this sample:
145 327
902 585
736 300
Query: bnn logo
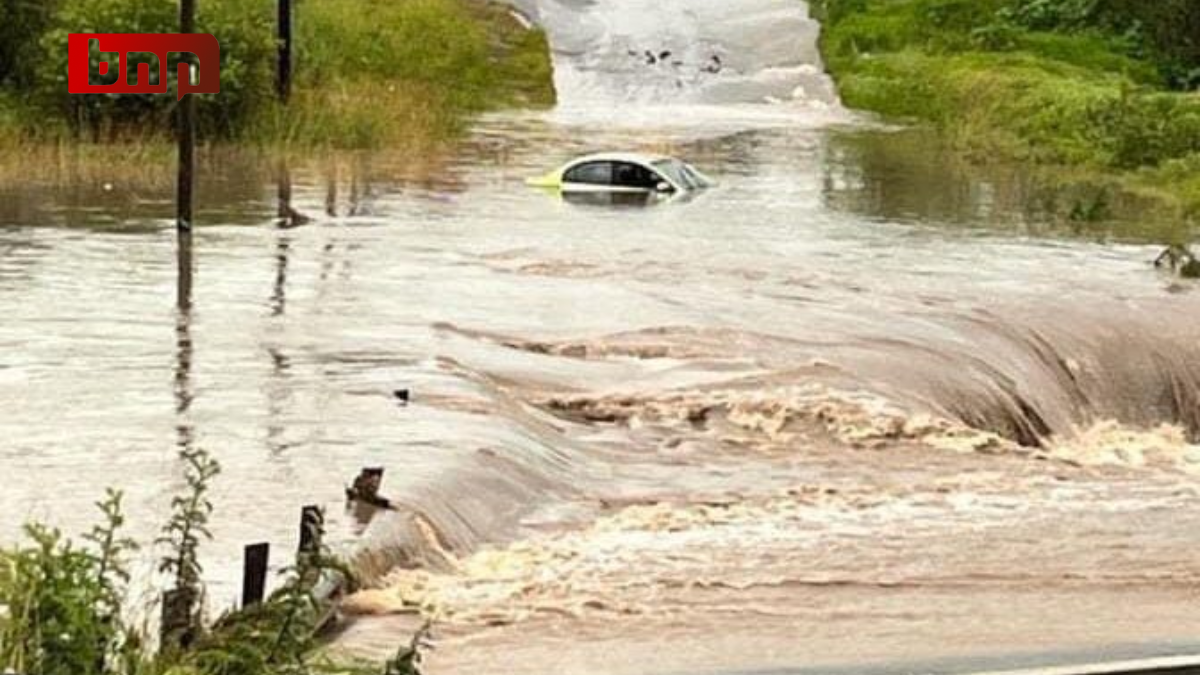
117 46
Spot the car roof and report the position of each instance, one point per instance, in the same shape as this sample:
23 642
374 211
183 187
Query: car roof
633 157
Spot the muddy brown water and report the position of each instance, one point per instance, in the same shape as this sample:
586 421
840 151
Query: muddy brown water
856 403
769 406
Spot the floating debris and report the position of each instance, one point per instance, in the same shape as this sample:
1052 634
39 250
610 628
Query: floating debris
1179 259
365 489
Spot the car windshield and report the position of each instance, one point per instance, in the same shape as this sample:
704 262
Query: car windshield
698 178
679 173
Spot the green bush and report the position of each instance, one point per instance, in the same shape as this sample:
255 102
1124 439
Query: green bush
1166 31
62 603
63 609
243 27
444 57
998 79
22 22
1146 129
1054 14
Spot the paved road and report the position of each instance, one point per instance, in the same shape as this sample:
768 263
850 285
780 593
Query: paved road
1144 659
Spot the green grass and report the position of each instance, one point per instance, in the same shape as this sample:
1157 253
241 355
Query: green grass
998 91
377 72
368 73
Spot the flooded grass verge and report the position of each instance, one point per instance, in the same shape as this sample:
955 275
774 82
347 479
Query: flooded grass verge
999 86
130 187
909 175
916 175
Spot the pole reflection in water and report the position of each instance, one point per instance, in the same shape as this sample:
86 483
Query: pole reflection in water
185 433
289 217
331 190
279 289
280 364
277 394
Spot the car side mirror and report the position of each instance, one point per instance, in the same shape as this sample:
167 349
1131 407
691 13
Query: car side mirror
664 186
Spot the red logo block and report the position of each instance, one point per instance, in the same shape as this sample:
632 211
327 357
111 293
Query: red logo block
203 45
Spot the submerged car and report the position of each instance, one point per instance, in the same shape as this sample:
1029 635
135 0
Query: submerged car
624 172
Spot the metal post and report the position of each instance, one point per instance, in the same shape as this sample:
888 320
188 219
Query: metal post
284 72
254 573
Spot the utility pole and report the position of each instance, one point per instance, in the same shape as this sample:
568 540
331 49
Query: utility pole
186 132
284 70
177 626
187 127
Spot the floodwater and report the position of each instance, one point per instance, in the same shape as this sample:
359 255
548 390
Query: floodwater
854 404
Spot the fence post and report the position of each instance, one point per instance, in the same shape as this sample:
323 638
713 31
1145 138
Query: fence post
254 573
284 72
176 628
312 524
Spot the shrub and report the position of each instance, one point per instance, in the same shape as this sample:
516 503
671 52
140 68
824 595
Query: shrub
1144 129
446 57
22 22
1166 31
997 78
62 603
247 45
62 608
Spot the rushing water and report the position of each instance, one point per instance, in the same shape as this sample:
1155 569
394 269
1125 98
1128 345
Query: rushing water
853 403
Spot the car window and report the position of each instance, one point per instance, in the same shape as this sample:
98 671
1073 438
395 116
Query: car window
696 177
591 173
675 171
627 174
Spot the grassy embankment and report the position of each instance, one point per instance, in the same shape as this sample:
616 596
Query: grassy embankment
1105 88
368 73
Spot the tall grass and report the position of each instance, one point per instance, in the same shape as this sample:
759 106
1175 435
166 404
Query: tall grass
369 73
1002 86
378 72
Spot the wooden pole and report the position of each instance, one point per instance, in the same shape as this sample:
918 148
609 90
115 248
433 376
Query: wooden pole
183 262
283 193
254 573
284 72
312 524
187 129
178 609
176 627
